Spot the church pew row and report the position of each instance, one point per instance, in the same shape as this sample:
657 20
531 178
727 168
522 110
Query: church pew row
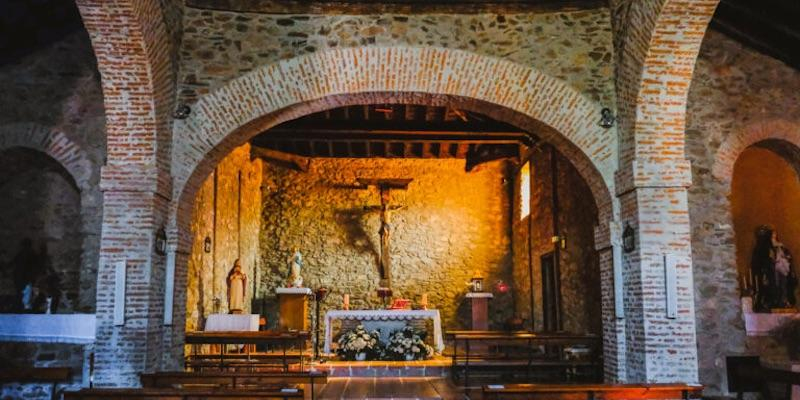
669 391
234 380
546 355
747 375
184 394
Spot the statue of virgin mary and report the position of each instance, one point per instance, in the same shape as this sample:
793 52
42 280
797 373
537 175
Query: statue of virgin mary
237 282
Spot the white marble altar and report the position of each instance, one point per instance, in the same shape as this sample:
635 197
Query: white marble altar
384 318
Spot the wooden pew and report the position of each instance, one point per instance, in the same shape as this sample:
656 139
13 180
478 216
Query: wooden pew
746 374
183 394
283 340
30 375
526 352
670 391
235 380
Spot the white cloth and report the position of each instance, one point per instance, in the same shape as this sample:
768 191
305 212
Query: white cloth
48 328
232 322
385 315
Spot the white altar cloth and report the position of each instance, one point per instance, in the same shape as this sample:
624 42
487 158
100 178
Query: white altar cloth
385 315
232 322
48 328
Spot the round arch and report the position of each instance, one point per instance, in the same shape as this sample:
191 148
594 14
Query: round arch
53 143
734 145
292 88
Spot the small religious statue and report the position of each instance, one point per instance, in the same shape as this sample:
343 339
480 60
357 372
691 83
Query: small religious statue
772 278
237 282
295 265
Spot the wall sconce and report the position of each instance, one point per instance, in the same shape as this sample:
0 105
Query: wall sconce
607 118
628 238
182 112
161 242
207 245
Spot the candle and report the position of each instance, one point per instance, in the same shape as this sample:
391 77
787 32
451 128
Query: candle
424 301
346 302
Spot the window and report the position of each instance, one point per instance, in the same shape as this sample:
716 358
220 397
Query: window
525 190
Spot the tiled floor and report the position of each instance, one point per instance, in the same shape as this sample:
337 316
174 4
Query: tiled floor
391 388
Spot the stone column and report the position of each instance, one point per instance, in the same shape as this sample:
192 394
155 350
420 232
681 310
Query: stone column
653 199
135 203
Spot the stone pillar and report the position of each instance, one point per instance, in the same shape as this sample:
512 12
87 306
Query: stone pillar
135 203
653 200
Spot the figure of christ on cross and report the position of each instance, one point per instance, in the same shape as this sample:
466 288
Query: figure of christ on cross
385 186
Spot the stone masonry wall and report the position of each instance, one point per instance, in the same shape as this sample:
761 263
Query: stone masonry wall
228 212
453 225
573 46
735 90
578 262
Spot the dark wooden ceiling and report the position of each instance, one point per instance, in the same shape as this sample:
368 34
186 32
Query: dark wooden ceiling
769 26
391 131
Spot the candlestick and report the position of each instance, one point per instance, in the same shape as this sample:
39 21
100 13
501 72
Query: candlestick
346 302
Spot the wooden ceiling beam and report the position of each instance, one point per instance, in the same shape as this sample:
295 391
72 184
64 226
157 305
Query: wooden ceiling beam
359 7
285 160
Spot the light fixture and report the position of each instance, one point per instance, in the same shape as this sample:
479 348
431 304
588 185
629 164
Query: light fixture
628 238
476 284
207 244
182 111
606 118
161 242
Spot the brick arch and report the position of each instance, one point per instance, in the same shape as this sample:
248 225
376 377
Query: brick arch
292 88
54 144
734 145
658 42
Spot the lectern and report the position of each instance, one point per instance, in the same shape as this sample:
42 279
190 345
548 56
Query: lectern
480 310
293 312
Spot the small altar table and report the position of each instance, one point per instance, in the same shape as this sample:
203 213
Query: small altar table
385 315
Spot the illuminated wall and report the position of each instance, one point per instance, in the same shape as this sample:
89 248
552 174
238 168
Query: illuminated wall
227 210
453 225
765 190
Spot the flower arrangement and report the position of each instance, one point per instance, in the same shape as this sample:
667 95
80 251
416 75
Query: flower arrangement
358 344
407 344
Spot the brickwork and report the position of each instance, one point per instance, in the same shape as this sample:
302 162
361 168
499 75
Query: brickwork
135 63
739 98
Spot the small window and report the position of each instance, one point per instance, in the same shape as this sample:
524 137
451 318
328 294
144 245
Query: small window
525 190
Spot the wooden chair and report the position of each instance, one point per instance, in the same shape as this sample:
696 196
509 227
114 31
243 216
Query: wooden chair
592 391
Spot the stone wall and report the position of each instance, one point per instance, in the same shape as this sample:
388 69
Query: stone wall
578 259
227 210
573 46
453 225
738 96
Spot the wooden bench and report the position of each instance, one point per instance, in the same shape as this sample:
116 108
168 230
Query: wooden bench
235 380
282 340
670 391
746 374
183 394
252 361
525 352
30 375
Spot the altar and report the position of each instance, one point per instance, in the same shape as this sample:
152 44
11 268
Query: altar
387 320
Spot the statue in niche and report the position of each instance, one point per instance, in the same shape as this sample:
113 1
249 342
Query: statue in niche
295 266
237 282
773 279
27 271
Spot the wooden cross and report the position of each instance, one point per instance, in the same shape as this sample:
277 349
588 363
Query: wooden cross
385 186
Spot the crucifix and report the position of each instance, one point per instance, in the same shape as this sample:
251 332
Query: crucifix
384 187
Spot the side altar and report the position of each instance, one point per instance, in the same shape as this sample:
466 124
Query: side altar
386 321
